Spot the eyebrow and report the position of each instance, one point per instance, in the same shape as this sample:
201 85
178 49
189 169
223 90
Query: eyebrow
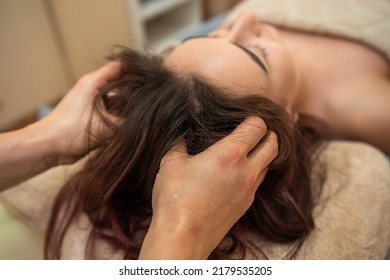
253 56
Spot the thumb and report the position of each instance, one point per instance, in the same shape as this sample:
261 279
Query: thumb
178 151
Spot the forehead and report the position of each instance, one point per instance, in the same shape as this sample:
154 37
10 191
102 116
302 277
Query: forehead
218 60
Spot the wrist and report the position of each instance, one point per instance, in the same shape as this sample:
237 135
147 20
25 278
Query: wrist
41 141
25 153
166 240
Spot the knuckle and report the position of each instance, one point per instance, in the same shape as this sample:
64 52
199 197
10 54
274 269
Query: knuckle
232 155
87 80
257 125
166 159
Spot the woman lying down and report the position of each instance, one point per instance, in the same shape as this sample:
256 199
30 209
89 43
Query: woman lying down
313 199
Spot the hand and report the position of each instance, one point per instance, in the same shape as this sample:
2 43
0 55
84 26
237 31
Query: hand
68 122
197 199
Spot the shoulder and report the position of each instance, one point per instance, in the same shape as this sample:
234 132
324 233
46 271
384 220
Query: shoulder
361 111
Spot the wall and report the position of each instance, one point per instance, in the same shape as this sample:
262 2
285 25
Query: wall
213 7
30 68
46 45
88 30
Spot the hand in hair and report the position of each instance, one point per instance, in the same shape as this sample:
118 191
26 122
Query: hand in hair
197 199
58 138
68 122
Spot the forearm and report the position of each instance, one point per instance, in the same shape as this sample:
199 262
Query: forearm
25 153
171 243
59 138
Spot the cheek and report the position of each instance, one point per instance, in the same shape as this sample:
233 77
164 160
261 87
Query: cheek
281 60
283 74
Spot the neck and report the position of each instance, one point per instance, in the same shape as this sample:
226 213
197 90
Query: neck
301 94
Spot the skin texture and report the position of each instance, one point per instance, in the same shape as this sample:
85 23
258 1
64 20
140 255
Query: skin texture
202 223
188 227
179 218
208 56
343 84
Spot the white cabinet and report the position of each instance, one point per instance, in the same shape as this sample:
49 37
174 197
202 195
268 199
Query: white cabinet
157 21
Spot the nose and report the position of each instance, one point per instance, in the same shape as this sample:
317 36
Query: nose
245 25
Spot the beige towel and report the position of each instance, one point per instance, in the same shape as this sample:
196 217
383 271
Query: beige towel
352 218
366 21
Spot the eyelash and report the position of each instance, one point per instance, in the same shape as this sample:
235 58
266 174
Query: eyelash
262 49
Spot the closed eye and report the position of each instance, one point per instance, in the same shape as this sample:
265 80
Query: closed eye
253 56
262 50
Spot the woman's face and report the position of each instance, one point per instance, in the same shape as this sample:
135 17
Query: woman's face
248 56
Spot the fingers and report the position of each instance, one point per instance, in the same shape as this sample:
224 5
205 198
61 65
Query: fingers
100 77
107 73
179 150
261 156
265 152
260 179
249 140
245 137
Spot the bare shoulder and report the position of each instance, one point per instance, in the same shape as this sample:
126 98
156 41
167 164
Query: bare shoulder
361 111
349 91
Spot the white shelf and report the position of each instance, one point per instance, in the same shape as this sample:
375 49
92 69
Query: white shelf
156 21
159 44
153 8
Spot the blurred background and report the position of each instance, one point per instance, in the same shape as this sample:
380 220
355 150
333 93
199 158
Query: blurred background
46 45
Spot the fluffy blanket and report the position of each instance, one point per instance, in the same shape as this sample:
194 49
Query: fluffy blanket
365 21
352 216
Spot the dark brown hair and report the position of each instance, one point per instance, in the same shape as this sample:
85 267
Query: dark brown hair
157 107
